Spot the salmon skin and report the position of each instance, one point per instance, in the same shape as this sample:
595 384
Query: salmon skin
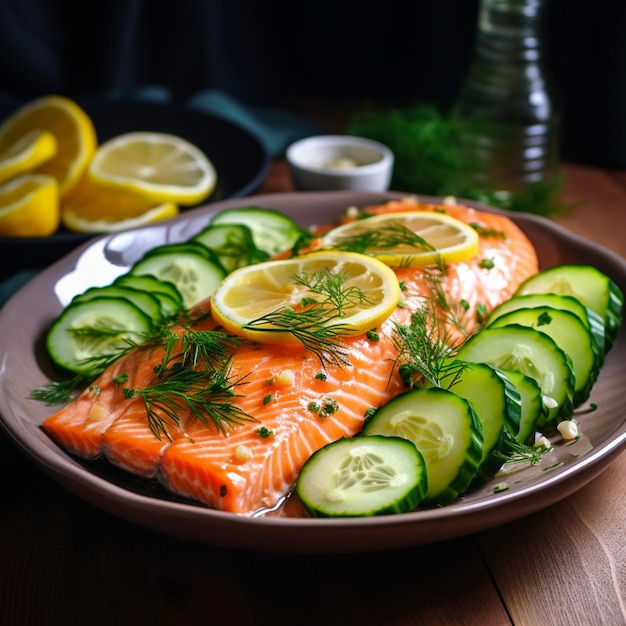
297 405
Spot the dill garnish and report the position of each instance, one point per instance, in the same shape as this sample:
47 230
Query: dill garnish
314 325
423 349
391 236
207 394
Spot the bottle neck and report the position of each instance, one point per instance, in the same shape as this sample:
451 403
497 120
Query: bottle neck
509 31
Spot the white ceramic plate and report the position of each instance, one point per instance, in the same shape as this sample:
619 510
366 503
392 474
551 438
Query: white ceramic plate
23 367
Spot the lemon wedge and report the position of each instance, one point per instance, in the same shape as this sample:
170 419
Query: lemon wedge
96 208
72 129
27 153
29 206
357 293
159 166
407 239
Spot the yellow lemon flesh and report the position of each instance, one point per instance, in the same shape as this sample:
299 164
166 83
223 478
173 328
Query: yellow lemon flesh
29 206
96 208
27 153
367 290
159 166
407 239
72 129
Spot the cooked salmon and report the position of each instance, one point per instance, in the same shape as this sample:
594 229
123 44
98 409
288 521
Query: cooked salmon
296 404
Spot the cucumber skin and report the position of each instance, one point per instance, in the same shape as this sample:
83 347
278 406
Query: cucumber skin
576 278
318 465
496 403
56 332
374 425
471 350
578 332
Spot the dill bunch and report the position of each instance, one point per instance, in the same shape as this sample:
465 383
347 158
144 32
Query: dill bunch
426 143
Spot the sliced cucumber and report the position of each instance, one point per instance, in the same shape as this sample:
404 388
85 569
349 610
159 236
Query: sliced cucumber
532 407
363 476
272 231
88 332
170 299
586 283
535 354
148 303
496 404
444 428
570 334
587 316
232 243
194 273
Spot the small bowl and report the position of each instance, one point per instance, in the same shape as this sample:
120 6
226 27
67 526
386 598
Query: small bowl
333 162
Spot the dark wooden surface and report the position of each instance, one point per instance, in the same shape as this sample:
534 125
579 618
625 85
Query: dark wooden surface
65 562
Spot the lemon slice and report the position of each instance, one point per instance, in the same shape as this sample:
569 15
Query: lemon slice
29 206
28 152
99 209
407 239
72 128
248 297
159 166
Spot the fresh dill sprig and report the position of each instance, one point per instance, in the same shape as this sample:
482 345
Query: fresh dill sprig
389 237
510 450
310 327
315 325
207 394
423 349
61 392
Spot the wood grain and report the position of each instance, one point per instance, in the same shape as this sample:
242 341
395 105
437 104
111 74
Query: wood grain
64 562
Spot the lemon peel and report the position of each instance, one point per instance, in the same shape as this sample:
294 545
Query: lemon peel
29 206
160 166
251 292
437 238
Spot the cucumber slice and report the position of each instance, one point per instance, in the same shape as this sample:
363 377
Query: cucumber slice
195 274
232 243
535 354
531 404
589 318
586 283
148 303
170 299
272 231
571 336
444 428
496 404
88 332
363 476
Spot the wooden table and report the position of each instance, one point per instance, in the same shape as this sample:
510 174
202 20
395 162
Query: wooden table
65 562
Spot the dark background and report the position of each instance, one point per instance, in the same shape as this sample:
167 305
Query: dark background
263 52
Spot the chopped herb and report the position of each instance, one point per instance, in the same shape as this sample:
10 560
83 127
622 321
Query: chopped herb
402 285
373 335
314 407
268 398
320 376
122 378
94 389
487 264
370 412
482 313
488 232
544 319
263 432
464 304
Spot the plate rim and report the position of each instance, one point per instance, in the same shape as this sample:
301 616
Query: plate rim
80 481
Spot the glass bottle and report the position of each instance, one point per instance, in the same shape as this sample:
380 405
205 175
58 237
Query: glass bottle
510 126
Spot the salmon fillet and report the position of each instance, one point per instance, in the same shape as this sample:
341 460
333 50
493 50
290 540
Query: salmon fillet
298 405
